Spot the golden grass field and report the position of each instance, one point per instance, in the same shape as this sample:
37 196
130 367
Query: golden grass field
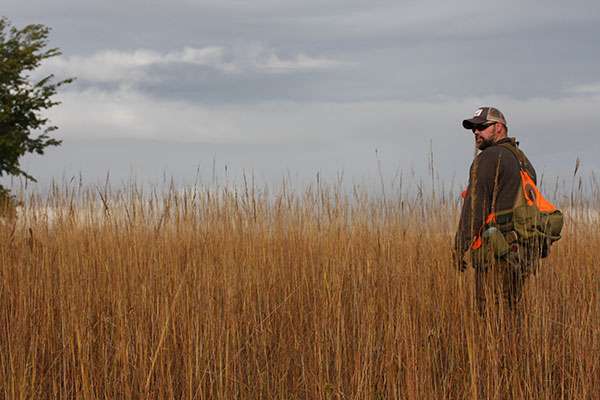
236 293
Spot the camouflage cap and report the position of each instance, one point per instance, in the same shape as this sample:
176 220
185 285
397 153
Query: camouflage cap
484 115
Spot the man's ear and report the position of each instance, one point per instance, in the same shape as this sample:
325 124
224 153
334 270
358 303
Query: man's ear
499 129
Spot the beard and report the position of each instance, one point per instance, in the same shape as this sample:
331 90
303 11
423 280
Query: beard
484 143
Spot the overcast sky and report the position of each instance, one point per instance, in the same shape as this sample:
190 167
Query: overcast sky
300 86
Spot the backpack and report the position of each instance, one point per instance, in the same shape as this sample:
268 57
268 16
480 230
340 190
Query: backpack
533 221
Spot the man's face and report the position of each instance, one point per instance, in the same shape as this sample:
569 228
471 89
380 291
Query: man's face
485 135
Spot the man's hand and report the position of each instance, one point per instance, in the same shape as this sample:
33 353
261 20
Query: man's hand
458 260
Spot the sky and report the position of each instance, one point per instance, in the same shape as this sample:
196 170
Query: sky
195 89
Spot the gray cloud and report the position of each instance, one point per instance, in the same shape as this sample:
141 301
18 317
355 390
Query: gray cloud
400 50
329 82
112 66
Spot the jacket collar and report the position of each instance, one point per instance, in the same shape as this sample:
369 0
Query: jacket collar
511 140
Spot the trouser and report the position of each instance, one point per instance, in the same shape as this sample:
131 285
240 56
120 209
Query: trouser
496 283
501 281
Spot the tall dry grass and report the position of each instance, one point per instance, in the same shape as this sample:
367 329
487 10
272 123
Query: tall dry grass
236 293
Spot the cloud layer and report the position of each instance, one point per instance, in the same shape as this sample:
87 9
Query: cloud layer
337 78
143 65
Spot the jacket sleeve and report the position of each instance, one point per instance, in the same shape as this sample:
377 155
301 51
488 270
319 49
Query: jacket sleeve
483 180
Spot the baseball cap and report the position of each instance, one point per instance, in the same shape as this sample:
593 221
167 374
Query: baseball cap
484 115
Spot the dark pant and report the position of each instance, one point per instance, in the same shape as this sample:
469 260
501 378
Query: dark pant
502 280
499 282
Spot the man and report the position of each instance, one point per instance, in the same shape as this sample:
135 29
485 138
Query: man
494 185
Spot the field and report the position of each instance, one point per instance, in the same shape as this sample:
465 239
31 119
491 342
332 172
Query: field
241 293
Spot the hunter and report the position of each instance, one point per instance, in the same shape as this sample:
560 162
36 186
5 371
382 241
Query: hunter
495 183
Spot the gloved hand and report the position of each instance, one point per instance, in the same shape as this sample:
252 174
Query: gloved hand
458 260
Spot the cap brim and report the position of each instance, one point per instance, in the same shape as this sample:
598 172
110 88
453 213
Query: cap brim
473 122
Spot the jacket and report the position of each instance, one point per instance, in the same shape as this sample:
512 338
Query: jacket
494 181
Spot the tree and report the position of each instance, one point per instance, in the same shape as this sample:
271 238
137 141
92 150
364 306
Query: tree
23 128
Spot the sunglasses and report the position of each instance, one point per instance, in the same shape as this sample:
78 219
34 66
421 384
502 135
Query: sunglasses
482 128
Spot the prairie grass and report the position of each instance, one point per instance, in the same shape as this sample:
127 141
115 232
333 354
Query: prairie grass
239 293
